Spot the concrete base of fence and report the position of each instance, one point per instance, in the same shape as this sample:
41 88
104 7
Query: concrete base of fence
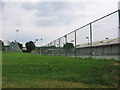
102 57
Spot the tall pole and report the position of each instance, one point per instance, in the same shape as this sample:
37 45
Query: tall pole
35 43
88 39
87 44
17 34
108 45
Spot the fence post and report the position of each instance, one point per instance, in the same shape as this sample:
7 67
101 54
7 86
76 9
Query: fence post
75 43
91 40
119 18
65 43
48 49
59 46
54 47
119 28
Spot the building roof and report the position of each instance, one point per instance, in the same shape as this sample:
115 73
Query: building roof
100 43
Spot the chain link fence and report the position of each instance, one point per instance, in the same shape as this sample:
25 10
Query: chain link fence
98 39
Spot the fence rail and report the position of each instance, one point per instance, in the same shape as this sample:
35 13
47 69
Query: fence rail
96 39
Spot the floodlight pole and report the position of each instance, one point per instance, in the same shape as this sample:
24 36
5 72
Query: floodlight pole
108 44
17 34
88 40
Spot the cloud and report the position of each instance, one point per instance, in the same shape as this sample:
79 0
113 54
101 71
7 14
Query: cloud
60 10
44 6
49 20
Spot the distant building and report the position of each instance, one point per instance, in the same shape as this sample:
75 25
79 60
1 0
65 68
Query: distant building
100 48
37 50
24 48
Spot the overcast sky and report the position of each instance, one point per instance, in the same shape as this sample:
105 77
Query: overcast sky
49 20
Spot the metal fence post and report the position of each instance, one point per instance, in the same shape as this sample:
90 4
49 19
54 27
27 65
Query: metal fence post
119 28
54 47
48 49
59 46
65 43
75 43
91 40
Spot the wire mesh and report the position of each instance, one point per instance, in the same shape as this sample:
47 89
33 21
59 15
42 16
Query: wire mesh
62 44
98 38
57 50
83 41
105 35
70 45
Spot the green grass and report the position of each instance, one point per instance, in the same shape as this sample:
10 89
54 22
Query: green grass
21 70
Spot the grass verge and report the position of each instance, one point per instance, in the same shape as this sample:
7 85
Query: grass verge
29 71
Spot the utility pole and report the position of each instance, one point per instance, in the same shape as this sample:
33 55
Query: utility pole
88 39
17 34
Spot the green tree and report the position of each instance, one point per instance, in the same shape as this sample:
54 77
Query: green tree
68 46
2 45
30 46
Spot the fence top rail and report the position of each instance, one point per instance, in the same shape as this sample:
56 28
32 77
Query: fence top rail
104 16
88 24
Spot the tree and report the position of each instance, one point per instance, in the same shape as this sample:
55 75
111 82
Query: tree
68 46
30 46
2 45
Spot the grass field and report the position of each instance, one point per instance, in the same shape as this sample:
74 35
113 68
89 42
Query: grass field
22 70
